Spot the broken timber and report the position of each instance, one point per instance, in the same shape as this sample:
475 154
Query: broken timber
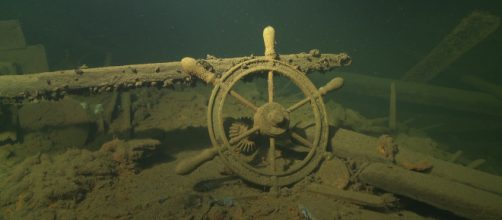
424 94
349 144
483 85
466 35
458 198
130 76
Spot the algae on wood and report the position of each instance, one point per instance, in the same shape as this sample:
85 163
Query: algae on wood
153 74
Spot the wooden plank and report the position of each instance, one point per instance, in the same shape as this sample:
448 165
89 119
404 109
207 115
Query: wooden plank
11 35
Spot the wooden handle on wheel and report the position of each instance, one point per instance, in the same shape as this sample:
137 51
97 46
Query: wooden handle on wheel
269 40
334 84
190 66
188 165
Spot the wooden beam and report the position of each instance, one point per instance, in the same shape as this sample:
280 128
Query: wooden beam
467 34
420 93
458 198
131 76
483 85
392 107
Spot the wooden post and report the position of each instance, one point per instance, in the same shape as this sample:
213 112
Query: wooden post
392 107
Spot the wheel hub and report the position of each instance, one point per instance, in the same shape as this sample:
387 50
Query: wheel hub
272 119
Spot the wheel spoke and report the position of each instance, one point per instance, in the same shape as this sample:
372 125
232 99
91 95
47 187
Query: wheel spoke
243 135
300 139
243 100
270 86
271 154
298 104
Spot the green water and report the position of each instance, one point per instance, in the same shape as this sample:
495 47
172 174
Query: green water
384 39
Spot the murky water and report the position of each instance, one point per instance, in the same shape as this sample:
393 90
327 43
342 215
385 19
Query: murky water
422 95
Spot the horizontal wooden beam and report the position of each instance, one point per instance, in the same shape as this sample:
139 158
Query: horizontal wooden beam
458 198
424 94
101 79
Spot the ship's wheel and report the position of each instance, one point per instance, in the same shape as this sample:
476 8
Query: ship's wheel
269 121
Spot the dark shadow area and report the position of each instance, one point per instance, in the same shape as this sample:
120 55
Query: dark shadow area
173 142
426 210
212 184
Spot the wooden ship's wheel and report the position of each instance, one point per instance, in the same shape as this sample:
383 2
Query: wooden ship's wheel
270 120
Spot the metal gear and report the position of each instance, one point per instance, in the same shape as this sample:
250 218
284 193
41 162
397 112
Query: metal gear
240 126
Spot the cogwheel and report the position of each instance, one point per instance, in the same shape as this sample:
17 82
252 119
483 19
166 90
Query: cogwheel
237 128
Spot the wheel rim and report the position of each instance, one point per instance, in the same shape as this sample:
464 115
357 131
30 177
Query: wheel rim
219 139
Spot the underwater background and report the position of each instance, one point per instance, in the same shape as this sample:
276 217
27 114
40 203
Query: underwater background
385 39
